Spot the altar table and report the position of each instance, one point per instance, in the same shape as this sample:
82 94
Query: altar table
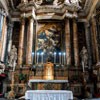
48 95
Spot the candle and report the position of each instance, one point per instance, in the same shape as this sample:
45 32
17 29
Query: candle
54 57
37 57
60 57
64 58
32 57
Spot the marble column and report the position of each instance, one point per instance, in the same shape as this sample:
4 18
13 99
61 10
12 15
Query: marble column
88 43
10 29
9 39
3 38
1 28
21 42
67 41
75 43
95 44
29 42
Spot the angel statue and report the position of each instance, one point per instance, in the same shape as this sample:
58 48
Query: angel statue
12 57
84 57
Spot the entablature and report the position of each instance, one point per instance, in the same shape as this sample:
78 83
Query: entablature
48 11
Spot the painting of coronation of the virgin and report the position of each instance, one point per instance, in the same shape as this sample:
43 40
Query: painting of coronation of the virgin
49 38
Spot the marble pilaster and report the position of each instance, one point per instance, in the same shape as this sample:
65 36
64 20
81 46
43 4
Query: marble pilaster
75 43
29 42
67 42
21 42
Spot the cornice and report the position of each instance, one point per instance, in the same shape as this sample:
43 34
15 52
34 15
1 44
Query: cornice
24 6
84 12
48 11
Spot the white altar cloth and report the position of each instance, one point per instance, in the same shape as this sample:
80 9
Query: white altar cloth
48 81
48 95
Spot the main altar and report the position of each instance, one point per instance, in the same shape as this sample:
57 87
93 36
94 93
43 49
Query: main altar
49 45
44 45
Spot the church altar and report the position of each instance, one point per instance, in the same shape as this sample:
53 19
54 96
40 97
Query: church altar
48 84
48 95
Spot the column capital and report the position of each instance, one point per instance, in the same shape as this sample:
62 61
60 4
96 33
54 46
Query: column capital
22 20
23 15
74 20
24 1
75 15
31 19
94 20
87 24
10 25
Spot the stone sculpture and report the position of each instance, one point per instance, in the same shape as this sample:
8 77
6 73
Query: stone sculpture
84 57
2 68
12 57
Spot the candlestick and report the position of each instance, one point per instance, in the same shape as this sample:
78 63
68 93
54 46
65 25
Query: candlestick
54 57
37 57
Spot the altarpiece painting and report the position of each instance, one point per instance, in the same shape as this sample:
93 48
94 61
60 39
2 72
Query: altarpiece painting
49 36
